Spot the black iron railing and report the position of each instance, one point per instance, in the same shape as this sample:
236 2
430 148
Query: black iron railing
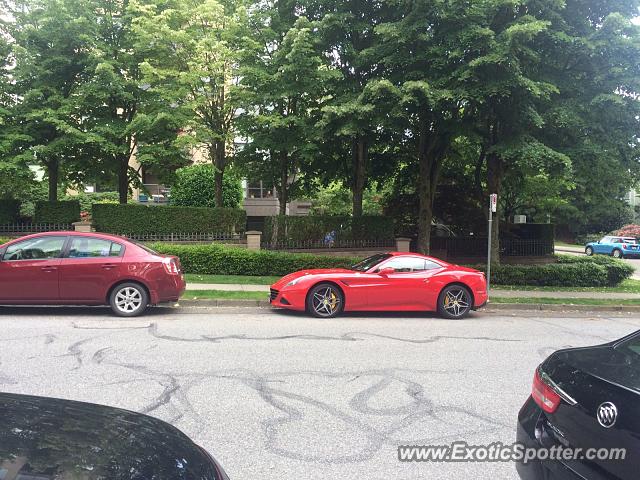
477 247
231 238
17 229
330 244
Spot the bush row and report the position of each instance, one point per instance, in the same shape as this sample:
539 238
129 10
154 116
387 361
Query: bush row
222 260
617 270
88 199
314 228
159 220
9 211
57 212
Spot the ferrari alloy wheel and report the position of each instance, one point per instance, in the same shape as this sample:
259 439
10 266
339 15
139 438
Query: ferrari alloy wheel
325 301
617 253
454 302
589 251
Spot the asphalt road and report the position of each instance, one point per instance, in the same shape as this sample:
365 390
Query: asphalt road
282 396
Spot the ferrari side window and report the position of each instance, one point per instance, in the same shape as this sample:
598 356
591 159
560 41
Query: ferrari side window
405 264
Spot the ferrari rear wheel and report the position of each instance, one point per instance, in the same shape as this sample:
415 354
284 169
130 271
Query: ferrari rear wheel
454 302
325 301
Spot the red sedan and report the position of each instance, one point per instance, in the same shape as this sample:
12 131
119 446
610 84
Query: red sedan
71 268
384 282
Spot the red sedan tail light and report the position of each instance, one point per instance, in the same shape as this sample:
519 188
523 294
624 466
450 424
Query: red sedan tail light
171 266
544 395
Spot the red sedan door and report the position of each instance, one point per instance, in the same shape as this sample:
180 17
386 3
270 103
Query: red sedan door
405 288
29 270
89 268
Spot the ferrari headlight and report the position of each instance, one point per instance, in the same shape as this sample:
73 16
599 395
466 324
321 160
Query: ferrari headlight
293 282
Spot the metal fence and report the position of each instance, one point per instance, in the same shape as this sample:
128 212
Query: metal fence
477 247
230 238
330 244
17 229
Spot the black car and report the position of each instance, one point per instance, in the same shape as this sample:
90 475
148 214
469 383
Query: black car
585 401
45 438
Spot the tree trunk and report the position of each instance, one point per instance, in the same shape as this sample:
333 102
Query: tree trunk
284 182
431 151
359 155
123 179
495 172
53 171
220 157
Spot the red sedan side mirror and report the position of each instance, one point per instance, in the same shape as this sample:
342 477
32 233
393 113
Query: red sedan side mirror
387 271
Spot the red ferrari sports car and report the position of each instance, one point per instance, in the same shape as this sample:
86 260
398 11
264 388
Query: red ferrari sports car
384 282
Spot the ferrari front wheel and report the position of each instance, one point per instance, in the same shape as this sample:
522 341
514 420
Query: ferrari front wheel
454 302
325 301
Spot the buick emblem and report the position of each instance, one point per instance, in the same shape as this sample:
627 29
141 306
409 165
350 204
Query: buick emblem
607 414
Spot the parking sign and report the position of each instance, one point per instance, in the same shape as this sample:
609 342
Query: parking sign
494 202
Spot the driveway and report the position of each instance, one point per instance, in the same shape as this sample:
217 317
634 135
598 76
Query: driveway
281 396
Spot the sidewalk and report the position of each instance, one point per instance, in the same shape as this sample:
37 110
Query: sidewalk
495 292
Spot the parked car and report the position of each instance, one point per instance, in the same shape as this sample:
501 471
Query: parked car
72 268
45 438
384 282
585 398
618 247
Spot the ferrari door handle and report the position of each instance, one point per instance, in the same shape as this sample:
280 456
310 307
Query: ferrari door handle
49 269
108 266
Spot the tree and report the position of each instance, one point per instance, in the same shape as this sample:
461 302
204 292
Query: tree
282 89
48 45
192 51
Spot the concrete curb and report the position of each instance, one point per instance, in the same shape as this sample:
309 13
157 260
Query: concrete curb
212 303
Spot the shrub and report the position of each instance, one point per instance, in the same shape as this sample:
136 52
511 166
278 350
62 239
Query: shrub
195 186
590 237
551 275
57 212
4 240
88 199
631 230
145 220
617 270
316 227
9 211
222 260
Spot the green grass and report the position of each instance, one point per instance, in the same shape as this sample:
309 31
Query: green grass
627 286
224 295
565 301
227 279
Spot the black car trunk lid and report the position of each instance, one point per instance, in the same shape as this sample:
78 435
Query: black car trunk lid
600 379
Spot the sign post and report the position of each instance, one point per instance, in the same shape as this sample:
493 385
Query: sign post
493 207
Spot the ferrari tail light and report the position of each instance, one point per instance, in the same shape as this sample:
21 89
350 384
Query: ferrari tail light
171 266
543 394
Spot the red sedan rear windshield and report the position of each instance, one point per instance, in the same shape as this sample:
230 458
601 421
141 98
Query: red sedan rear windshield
370 262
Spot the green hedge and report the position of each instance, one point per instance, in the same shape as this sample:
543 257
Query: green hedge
617 270
9 211
142 219
221 260
57 212
316 227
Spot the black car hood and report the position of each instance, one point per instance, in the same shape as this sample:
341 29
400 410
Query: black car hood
60 439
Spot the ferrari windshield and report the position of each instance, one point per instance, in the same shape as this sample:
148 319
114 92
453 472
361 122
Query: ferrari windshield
370 262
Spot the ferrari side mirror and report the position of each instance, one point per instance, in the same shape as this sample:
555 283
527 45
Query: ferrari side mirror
387 271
